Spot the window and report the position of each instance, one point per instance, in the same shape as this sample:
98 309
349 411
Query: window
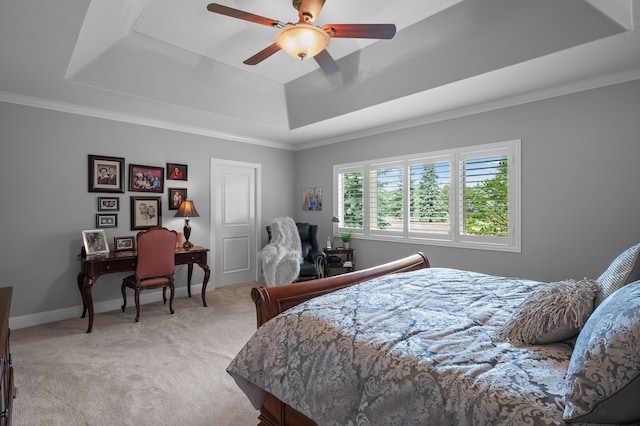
385 198
429 206
465 197
350 190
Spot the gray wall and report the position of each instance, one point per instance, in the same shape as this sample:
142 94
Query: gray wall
579 188
43 171
580 176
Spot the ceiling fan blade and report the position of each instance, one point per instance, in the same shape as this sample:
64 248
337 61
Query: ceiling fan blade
235 13
262 55
379 31
326 62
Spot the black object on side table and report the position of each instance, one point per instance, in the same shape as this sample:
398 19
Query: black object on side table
338 261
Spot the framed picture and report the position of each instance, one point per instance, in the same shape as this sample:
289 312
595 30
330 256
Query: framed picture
106 174
108 204
95 242
176 171
146 212
146 178
107 220
176 195
124 243
312 198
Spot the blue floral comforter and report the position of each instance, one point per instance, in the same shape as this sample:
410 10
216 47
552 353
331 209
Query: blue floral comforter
415 348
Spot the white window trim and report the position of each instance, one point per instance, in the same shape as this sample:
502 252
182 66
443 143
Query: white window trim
512 243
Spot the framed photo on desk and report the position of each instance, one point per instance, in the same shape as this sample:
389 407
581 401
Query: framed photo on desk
95 242
124 244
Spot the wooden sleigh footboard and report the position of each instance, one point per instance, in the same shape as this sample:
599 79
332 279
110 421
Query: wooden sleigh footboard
270 301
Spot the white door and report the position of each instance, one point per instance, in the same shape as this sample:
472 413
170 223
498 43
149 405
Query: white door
235 214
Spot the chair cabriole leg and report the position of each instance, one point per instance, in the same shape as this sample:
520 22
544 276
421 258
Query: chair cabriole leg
137 297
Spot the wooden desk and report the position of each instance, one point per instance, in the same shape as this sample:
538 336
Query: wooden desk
93 267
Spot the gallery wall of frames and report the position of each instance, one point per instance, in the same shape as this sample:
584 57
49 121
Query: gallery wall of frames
110 176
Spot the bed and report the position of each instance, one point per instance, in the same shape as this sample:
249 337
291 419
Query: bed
405 343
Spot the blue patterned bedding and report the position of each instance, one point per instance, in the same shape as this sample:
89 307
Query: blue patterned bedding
415 348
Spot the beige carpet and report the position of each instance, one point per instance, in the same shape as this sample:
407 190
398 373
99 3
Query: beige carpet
164 370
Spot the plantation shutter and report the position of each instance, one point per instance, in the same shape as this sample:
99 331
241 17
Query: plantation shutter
429 189
351 199
485 197
385 199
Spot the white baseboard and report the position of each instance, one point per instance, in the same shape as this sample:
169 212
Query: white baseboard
106 306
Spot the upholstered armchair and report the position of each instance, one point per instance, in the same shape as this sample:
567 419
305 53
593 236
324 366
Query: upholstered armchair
312 266
312 257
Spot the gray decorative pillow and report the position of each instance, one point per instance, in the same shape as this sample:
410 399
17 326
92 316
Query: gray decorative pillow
603 380
623 270
550 313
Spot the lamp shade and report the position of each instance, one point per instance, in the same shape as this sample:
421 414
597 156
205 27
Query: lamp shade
187 209
302 40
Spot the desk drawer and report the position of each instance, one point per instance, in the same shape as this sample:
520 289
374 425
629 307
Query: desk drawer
191 257
98 268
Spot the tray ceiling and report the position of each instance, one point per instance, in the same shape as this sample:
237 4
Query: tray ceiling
176 65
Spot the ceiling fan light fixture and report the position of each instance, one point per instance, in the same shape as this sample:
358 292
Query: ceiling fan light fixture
302 40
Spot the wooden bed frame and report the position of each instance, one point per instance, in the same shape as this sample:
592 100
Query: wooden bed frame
273 300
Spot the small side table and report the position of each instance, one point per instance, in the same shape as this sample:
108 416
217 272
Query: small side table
344 265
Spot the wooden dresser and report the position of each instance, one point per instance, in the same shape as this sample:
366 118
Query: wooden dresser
7 387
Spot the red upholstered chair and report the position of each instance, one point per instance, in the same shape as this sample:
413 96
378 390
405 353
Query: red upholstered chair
155 266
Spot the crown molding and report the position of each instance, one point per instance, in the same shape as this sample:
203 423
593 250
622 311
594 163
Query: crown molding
131 119
594 83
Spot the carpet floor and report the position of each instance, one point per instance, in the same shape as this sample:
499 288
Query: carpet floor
164 370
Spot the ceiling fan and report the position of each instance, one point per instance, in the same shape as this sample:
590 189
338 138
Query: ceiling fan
303 39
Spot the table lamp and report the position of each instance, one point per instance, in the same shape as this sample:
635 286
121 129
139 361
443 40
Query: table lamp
187 210
334 223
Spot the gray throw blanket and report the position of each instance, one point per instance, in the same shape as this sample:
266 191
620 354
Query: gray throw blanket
281 257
